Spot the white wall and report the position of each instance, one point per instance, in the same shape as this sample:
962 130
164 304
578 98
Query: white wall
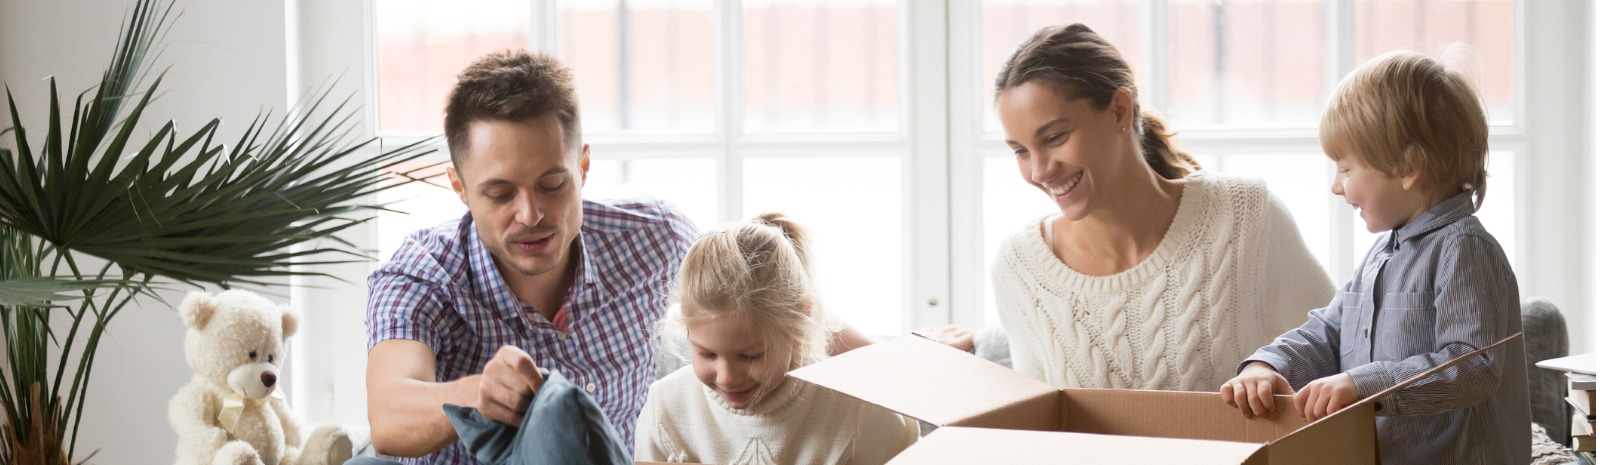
227 60
1592 76
1554 202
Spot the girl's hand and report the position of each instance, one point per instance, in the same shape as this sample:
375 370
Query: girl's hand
1251 392
1325 396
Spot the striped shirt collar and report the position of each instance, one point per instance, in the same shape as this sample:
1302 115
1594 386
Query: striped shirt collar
1441 214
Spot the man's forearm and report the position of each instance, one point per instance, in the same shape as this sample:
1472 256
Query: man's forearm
407 415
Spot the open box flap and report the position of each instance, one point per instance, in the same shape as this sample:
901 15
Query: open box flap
938 384
1366 402
957 445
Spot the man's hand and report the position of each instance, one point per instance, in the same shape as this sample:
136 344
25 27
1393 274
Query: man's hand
1325 396
950 335
1251 392
507 386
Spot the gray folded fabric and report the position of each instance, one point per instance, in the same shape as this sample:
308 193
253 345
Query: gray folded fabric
563 425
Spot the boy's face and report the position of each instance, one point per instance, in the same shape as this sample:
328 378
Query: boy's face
731 357
522 184
1384 202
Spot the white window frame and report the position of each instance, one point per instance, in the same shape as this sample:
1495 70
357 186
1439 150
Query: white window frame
1543 258
941 115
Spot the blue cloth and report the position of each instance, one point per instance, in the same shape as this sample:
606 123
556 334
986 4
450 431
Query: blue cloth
563 425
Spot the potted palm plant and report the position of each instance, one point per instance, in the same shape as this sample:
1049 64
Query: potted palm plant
94 214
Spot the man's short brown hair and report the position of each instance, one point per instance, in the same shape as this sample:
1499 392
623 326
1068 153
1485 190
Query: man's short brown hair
513 85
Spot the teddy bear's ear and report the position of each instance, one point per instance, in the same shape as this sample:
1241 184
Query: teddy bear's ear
197 309
291 321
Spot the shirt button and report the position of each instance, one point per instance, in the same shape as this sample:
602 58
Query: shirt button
589 388
561 337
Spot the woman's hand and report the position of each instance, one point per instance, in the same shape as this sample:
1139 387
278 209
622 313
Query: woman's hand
950 335
1325 396
1251 392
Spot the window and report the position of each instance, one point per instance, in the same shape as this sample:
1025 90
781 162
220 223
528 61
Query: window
807 111
803 114
872 123
1243 83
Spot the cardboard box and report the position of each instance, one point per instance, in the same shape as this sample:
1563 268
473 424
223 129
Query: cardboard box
988 413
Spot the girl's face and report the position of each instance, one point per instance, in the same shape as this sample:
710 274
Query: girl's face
1065 147
732 358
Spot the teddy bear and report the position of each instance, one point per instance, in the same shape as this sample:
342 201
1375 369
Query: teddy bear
231 413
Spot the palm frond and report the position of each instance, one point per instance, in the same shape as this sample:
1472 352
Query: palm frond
43 292
157 207
193 210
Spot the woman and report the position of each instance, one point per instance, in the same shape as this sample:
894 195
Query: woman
1153 275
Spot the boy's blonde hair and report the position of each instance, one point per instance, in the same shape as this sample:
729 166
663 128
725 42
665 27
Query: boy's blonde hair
1406 113
758 270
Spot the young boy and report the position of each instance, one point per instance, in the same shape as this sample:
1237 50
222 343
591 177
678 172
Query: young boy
1409 139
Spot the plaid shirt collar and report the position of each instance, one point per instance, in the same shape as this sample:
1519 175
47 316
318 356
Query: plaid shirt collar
490 286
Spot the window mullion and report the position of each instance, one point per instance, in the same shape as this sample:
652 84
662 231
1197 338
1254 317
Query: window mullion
1341 53
546 33
926 112
1154 76
730 115
966 104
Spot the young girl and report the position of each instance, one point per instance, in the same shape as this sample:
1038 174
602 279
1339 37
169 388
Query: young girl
750 315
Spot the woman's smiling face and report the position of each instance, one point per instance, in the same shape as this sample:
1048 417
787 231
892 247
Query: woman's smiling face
1066 147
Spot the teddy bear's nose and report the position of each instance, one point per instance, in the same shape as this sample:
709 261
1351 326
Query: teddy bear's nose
268 379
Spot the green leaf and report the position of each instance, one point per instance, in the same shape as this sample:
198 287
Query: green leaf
43 292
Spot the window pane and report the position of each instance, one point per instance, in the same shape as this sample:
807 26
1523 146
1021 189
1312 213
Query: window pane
1246 63
1009 204
421 46
1007 23
418 205
1498 214
690 184
649 66
852 207
1302 182
828 65
1427 26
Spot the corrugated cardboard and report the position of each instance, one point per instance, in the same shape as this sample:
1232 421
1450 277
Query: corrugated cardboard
991 414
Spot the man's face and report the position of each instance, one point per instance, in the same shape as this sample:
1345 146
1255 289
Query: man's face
523 186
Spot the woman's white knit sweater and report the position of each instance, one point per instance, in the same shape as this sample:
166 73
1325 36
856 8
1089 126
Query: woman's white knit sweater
1230 275
684 421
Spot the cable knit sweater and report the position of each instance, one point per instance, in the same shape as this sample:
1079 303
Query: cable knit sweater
684 421
1230 274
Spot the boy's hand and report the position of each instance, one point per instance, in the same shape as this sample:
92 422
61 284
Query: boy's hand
1325 396
1251 392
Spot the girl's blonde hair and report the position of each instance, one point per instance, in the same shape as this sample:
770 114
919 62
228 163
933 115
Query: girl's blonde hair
758 270
1406 113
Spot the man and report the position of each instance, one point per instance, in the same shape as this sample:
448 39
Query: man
532 277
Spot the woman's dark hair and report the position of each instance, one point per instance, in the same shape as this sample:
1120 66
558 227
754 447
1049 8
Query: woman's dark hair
1078 63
